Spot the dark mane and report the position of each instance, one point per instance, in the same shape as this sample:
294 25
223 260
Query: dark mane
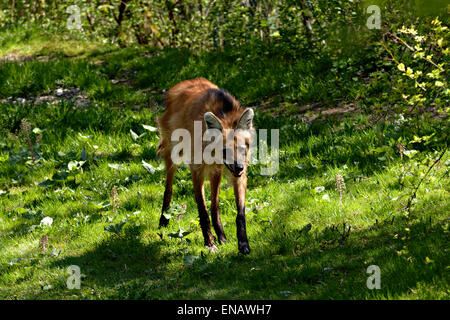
223 102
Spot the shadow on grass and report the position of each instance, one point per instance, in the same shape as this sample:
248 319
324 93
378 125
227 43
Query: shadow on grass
118 259
280 266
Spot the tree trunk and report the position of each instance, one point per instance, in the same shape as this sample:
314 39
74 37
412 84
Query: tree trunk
122 9
170 10
306 20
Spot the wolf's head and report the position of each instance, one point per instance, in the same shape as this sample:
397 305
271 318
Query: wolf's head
236 136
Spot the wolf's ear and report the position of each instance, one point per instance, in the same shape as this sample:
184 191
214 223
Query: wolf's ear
246 119
212 122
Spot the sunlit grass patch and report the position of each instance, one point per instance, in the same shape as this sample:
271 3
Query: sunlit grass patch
311 236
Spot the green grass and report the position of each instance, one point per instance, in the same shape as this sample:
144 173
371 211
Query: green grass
143 262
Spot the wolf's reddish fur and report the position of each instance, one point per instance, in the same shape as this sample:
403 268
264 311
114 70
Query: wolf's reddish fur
188 101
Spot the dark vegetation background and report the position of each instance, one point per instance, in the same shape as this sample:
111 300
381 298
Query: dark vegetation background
363 119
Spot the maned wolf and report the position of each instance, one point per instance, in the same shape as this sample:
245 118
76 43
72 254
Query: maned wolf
199 102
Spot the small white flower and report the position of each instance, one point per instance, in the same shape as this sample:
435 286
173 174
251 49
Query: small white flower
326 197
21 101
319 189
419 38
47 221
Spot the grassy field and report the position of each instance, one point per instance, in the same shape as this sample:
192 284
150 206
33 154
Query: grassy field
81 101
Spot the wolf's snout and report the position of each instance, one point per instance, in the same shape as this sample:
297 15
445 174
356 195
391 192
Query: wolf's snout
238 168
